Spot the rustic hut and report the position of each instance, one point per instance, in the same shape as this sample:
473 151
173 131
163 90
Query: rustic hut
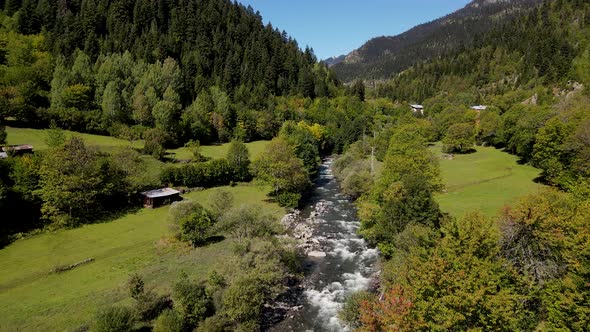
417 108
479 108
16 150
159 197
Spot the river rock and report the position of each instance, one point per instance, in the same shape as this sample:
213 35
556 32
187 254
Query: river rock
317 254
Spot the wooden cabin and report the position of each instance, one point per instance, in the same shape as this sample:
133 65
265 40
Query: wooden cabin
158 197
15 150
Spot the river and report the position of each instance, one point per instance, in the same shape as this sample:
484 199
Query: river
346 267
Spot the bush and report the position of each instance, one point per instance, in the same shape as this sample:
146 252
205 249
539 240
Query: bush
193 302
288 200
350 312
148 305
136 286
195 228
114 319
191 222
216 323
356 184
221 202
168 321
155 140
243 300
248 221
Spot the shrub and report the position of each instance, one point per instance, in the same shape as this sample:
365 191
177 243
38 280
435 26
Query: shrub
248 221
193 302
191 222
169 321
114 319
195 228
221 202
350 312
155 140
288 200
136 286
148 305
217 323
356 184
243 300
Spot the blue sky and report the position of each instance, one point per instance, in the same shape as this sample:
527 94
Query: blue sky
335 27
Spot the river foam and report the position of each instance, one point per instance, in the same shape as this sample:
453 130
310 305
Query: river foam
346 267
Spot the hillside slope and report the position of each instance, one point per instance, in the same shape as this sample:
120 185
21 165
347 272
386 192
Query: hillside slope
381 57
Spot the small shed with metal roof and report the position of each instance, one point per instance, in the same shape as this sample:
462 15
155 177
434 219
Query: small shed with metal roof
416 108
15 150
158 197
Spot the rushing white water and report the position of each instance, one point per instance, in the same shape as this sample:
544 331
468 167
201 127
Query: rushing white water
346 267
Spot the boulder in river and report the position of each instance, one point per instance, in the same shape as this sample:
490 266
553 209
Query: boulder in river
318 254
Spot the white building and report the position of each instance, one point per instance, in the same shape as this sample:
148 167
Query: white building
417 108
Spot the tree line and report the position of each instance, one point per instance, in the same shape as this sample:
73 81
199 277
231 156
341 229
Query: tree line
523 270
203 70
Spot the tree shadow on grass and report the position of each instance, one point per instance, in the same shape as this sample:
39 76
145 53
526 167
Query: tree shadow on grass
112 215
213 239
470 151
542 180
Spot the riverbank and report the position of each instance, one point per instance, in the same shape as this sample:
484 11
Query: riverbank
338 262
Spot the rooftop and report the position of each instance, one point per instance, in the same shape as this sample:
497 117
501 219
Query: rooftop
479 107
160 192
17 147
416 106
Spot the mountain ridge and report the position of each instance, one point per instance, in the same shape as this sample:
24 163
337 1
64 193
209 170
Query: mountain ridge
383 56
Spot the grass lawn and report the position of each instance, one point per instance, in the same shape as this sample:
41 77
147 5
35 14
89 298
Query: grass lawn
33 299
36 138
218 151
485 180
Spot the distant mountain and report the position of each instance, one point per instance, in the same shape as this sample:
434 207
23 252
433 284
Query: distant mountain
384 56
332 61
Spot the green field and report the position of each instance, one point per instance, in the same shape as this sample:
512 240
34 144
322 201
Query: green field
37 137
485 180
217 151
34 299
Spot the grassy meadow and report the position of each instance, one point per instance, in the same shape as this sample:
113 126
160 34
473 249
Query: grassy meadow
217 151
37 137
485 180
32 298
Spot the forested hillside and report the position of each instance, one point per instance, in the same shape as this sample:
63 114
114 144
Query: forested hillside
192 69
544 47
382 57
